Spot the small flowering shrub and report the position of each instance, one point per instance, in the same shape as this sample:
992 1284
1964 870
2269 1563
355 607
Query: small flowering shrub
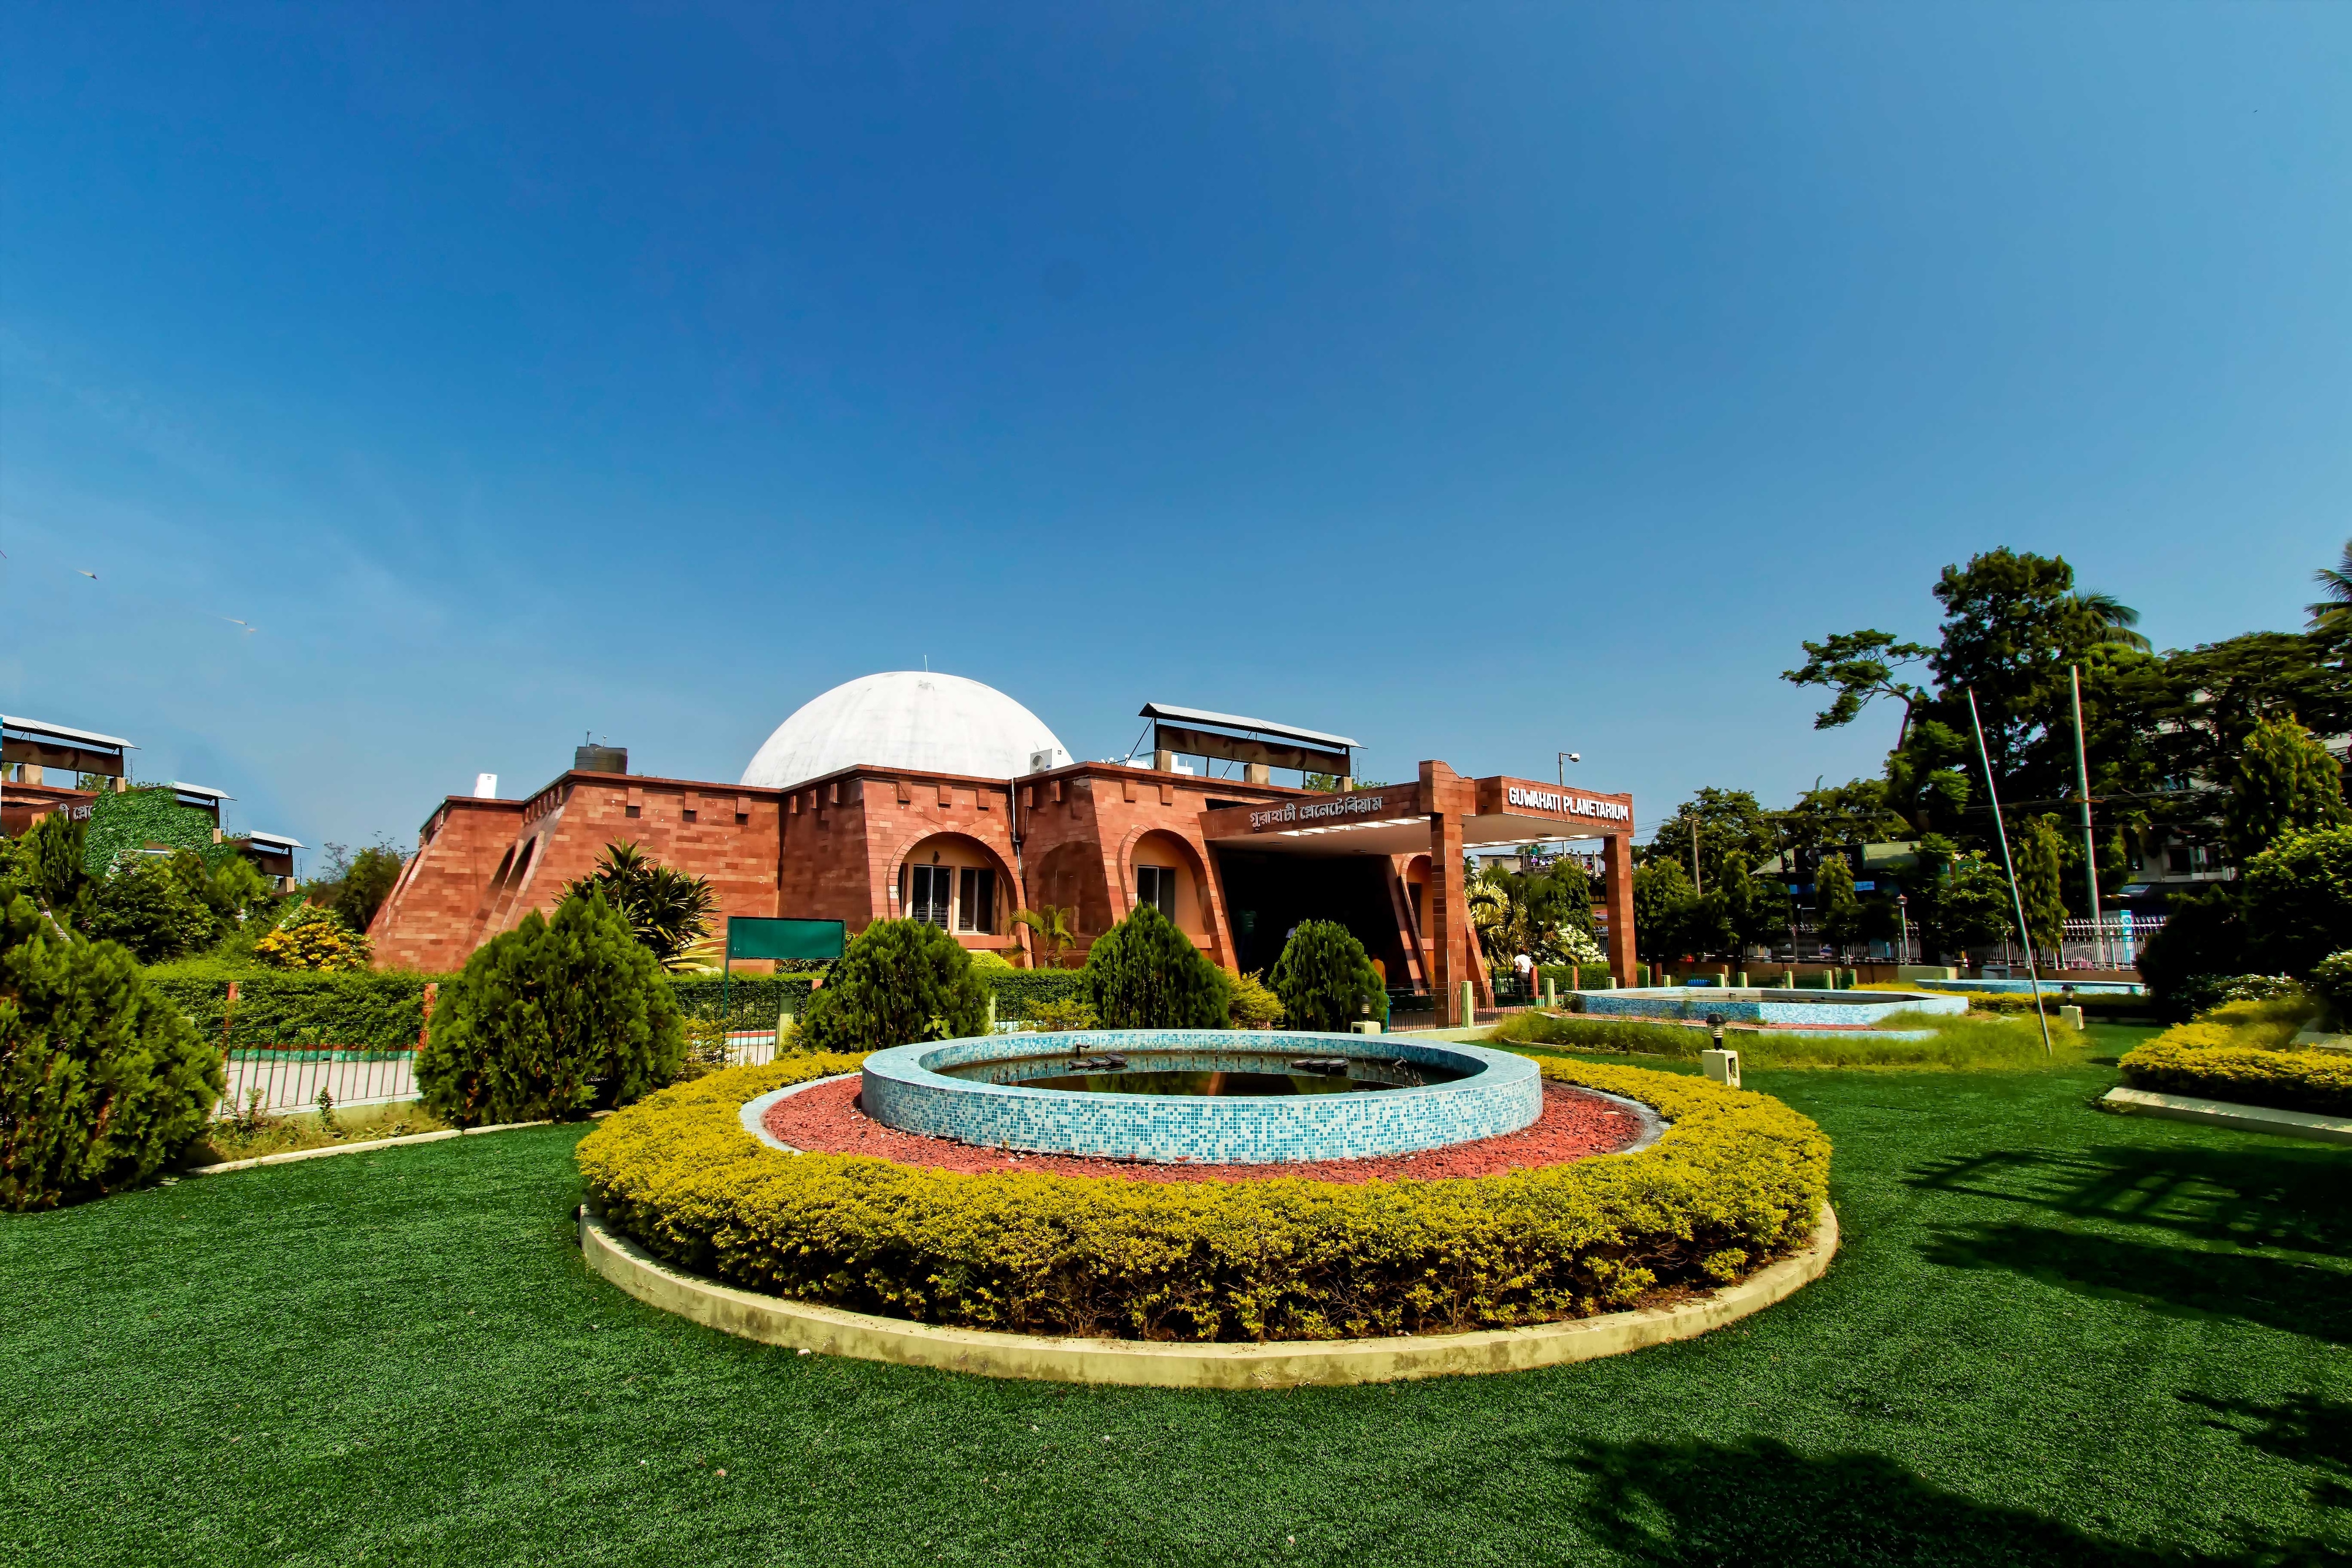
1254 1006
313 939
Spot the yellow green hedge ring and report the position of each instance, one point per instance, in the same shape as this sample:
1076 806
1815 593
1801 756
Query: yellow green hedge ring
1737 1181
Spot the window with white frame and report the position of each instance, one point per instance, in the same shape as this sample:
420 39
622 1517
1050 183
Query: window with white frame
1156 886
930 893
976 900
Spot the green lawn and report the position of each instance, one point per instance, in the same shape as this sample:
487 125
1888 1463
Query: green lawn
2054 1337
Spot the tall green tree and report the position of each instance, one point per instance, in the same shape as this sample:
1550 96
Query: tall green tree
1837 907
1960 900
2297 904
1861 668
1722 822
47 864
2284 779
355 884
1856 812
149 906
2041 870
1663 906
2334 606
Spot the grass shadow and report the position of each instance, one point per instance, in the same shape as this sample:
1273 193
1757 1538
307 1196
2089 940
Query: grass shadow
2302 1429
2260 1197
1760 1501
2275 1292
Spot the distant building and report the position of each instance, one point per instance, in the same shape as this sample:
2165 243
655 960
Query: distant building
936 798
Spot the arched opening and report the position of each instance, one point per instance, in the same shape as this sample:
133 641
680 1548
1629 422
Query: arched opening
1164 872
1416 891
957 884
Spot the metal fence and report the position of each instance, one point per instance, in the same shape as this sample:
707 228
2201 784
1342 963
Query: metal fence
280 1082
274 1082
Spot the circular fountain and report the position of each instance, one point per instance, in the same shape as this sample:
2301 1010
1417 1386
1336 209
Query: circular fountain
1201 1096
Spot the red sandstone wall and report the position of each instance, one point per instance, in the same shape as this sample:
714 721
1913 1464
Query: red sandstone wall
730 840
827 850
428 921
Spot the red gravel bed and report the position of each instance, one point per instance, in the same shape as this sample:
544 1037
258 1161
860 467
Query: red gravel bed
1574 1124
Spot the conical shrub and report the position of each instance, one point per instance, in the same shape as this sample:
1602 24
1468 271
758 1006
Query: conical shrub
551 1020
898 981
1144 974
102 1082
1326 979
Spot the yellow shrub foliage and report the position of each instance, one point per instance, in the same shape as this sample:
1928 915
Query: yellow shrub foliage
1735 1180
2247 1059
319 945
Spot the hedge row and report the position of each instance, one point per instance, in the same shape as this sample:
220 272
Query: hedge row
384 1009
2243 1052
2317 1081
1738 1179
367 1009
1019 990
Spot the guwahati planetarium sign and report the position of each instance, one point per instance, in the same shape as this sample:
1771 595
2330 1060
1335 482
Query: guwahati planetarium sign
1562 803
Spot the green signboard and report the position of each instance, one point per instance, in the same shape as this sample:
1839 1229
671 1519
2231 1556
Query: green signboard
753 936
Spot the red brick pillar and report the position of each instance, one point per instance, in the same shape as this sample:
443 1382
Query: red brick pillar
1449 909
1617 892
1448 912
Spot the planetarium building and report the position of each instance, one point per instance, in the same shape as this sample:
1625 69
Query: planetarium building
933 797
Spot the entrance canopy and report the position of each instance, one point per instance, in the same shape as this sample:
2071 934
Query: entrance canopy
1395 820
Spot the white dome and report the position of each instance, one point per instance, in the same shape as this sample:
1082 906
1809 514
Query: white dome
907 719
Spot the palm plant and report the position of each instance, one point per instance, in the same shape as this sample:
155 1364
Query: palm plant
1055 928
667 910
2334 609
2116 619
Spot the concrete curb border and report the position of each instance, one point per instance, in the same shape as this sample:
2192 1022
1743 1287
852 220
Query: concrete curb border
291 1155
2228 1113
773 1319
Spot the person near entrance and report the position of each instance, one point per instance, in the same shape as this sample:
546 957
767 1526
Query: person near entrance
1524 967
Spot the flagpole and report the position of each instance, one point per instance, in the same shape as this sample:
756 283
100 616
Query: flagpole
2016 898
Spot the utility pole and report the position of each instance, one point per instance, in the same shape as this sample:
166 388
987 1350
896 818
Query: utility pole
2016 898
1695 886
2090 845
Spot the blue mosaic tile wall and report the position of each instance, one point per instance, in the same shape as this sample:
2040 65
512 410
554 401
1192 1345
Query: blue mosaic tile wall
1765 1006
1503 1093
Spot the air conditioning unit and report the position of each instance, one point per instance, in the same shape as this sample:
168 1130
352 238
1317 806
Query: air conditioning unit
1046 761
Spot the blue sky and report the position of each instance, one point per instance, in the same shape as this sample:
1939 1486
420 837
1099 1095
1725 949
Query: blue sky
1481 381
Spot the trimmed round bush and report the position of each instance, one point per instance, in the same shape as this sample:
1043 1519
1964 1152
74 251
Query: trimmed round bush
551 1020
1326 979
1144 973
101 1081
898 981
1736 1180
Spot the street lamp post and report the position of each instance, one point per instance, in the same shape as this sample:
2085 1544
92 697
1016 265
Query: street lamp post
1903 912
